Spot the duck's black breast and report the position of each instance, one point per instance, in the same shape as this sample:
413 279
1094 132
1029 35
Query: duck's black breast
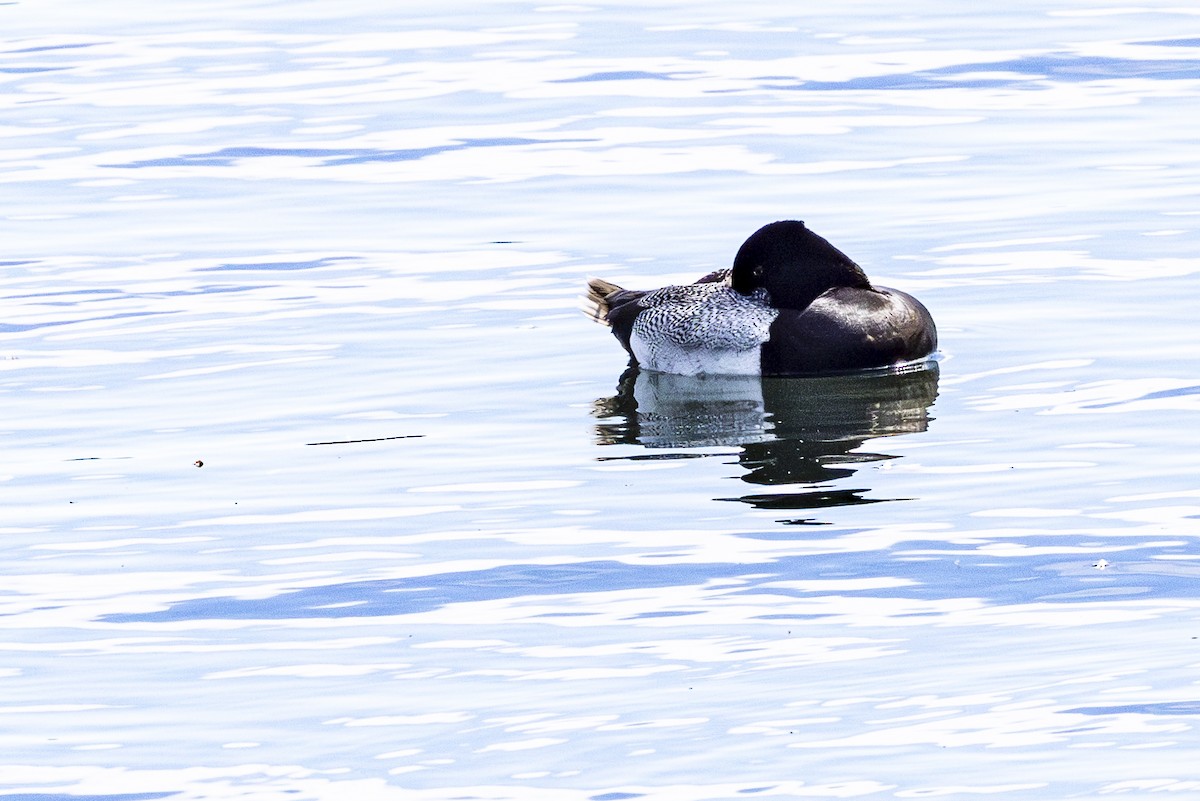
849 328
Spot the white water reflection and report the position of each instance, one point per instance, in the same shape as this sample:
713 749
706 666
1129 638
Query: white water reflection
314 482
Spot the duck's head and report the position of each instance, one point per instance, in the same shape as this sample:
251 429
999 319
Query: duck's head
793 265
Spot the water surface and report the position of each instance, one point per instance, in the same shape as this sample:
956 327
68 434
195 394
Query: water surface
317 485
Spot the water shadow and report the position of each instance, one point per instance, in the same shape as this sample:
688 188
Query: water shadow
428 593
73 797
795 433
230 156
1017 73
1188 708
935 580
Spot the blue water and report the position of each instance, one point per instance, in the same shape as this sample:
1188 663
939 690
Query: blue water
316 484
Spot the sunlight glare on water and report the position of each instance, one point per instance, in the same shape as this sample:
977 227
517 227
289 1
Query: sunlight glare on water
316 484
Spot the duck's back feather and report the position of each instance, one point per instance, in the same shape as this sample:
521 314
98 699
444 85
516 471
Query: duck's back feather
700 328
612 305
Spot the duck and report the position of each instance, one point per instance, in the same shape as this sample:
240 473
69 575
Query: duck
791 304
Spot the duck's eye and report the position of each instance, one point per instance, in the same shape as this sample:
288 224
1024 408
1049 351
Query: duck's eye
757 271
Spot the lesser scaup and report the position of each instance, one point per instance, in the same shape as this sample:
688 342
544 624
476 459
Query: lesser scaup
792 304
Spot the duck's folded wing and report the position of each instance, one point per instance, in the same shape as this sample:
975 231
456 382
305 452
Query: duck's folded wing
715 277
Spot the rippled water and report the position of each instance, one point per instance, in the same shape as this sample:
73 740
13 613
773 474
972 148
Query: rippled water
315 484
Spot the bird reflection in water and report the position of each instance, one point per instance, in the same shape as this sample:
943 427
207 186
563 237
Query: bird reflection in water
800 433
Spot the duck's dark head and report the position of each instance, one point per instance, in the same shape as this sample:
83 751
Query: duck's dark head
793 264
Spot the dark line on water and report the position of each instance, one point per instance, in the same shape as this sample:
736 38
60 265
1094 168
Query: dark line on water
376 439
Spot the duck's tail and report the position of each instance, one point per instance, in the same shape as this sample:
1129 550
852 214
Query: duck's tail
595 303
